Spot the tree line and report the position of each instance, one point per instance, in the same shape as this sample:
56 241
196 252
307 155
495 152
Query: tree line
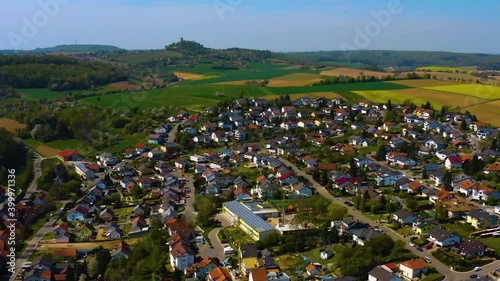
57 73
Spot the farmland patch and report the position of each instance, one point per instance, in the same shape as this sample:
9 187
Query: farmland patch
353 72
11 125
475 90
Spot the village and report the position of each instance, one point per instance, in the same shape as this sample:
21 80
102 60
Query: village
258 190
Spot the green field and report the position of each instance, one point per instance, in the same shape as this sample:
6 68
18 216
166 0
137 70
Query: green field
253 72
197 97
491 242
42 93
146 56
382 96
445 69
474 90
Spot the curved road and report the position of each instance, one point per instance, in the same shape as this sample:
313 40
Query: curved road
442 268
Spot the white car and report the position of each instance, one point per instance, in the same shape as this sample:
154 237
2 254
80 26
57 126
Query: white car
412 244
478 268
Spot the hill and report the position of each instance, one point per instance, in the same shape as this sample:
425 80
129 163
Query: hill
404 59
66 49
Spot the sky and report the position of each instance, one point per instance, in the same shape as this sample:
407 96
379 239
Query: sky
276 25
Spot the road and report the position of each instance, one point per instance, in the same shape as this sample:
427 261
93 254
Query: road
444 269
33 243
173 132
37 172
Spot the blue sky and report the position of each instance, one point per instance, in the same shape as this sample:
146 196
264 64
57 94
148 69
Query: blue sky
277 25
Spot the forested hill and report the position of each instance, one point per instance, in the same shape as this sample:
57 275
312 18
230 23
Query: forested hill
57 73
79 49
408 59
66 49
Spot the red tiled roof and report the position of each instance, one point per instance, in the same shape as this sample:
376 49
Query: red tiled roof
66 153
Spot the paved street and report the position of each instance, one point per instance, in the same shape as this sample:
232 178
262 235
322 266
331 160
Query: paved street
444 269
33 243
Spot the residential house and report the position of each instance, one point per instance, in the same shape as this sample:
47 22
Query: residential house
362 235
466 186
482 192
301 189
106 215
349 225
313 269
107 159
78 214
181 256
219 274
112 231
382 273
249 257
453 162
413 268
387 177
139 210
443 238
404 217
443 154
82 170
422 226
326 254
492 168
84 230
202 268
122 249
471 248
480 219
69 155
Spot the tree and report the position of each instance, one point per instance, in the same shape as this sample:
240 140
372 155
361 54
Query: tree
463 126
447 178
93 268
336 212
353 168
381 153
324 177
136 192
330 235
411 203
424 174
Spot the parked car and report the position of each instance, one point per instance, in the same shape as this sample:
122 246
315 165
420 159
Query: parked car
473 276
478 268
412 244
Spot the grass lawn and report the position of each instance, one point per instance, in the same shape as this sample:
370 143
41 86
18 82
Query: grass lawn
122 213
234 236
462 229
405 231
314 255
126 228
457 261
433 277
291 263
48 236
491 242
